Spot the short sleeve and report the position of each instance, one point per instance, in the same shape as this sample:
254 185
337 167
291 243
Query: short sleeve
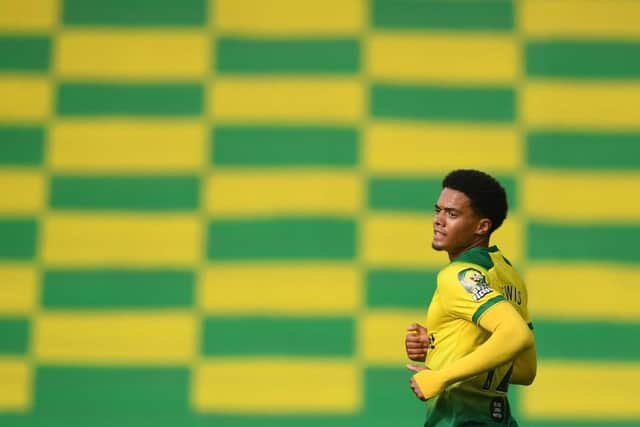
465 292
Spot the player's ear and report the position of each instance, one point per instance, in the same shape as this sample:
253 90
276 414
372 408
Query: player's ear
483 227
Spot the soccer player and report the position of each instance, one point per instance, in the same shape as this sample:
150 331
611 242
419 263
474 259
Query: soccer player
478 337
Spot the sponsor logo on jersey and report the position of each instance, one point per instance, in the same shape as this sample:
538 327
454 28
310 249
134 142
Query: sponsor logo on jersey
497 409
474 282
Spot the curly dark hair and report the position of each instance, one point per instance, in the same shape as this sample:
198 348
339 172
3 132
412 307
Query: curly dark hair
488 197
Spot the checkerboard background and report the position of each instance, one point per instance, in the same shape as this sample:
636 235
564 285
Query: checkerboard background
218 212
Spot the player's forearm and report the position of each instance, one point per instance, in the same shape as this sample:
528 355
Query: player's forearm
509 337
503 345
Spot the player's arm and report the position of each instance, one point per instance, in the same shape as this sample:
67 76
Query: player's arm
510 336
525 367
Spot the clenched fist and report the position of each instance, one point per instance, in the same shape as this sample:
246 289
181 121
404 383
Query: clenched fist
416 342
426 383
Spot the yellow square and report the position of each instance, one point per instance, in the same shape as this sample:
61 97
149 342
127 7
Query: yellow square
15 384
18 288
28 15
285 386
23 192
25 98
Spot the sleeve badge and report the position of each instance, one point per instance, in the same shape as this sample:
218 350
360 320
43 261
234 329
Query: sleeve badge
474 282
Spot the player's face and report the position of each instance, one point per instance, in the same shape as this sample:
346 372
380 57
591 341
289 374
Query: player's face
456 226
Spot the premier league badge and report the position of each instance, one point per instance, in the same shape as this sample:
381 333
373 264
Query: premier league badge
474 282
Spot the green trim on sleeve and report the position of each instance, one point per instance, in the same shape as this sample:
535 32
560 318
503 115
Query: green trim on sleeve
484 307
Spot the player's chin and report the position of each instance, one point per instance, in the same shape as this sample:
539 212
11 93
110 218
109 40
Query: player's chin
437 245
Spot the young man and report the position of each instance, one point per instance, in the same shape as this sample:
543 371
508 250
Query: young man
479 338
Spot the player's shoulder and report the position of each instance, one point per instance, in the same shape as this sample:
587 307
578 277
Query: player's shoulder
463 272
465 280
469 269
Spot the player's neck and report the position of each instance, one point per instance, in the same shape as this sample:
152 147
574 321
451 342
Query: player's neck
481 242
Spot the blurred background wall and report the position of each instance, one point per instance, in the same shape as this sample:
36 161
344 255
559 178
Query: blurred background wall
218 212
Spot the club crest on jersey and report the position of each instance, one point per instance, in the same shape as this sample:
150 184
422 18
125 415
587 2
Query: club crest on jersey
474 282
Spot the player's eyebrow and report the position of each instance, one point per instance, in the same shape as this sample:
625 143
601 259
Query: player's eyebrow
454 210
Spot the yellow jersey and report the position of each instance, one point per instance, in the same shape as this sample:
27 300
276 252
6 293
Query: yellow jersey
466 288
